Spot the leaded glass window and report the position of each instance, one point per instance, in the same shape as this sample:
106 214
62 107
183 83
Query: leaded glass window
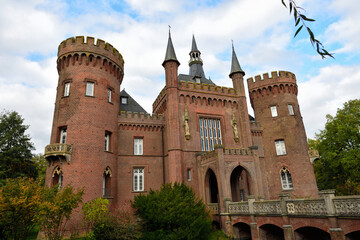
210 133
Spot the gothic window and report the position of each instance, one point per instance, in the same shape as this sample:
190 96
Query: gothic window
210 133
273 111
286 181
107 182
89 89
280 147
57 177
63 133
107 140
291 109
138 146
138 179
188 174
67 89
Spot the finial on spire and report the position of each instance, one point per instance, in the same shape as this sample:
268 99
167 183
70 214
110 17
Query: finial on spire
169 31
170 52
235 66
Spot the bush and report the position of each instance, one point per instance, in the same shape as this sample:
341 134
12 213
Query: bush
173 212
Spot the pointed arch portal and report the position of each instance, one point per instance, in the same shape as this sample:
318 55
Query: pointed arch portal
211 187
240 184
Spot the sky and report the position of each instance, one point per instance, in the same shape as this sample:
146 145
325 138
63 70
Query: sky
262 32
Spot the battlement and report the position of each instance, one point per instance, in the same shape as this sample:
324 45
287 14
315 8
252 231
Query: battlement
207 88
133 116
275 79
77 44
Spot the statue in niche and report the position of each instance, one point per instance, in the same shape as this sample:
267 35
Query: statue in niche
186 124
234 126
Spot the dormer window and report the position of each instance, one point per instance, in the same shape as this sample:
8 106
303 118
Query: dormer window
197 80
124 100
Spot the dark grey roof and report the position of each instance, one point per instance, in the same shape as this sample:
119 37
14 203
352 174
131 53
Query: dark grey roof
188 78
235 66
193 45
170 52
131 105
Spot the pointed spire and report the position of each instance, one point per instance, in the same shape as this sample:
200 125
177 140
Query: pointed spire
170 52
235 66
193 45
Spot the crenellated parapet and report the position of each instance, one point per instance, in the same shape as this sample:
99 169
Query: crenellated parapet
77 51
140 121
256 128
159 99
207 88
279 82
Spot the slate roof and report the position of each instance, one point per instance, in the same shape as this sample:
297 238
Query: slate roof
131 105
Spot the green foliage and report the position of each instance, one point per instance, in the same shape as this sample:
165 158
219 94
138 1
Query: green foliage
218 235
121 225
15 148
339 148
300 17
95 211
40 165
173 212
20 201
56 209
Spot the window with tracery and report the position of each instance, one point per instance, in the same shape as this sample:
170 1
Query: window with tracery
286 181
107 182
57 177
210 133
138 179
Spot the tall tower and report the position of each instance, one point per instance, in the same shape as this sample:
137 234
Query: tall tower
83 145
286 166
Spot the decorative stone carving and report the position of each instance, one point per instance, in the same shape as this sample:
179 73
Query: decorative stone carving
234 126
239 208
267 207
347 206
306 207
186 124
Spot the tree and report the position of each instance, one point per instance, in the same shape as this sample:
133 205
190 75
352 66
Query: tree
20 201
173 212
56 209
339 148
299 17
95 211
15 148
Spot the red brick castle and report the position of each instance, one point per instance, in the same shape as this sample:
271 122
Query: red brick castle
199 133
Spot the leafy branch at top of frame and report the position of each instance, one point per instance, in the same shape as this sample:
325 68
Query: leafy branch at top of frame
300 17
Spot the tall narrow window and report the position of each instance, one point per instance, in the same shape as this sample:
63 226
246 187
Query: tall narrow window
109 95
291 109
286 181
138 179
210 133
89 89
63 133
107 182
67 89
189 174
280 147
138 146
107 140
273 111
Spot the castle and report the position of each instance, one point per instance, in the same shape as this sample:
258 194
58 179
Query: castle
199 133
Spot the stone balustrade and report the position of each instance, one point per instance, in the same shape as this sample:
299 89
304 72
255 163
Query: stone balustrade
58 150
213 207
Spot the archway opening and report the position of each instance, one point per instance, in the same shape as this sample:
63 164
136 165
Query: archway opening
353 235
215 225
271 232
211 187
309 233
240 184
57 177
241 231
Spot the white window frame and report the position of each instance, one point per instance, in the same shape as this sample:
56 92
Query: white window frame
67 89
291 109
63 135
138 179
210 133
138 146
109 95
124 100
273 110
90 89
285 177
280 147
107 141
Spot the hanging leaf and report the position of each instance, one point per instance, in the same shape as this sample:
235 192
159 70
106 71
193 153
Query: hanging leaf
283 3
297 22
298 31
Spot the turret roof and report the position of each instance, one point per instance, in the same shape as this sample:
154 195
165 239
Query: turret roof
235 66
170 52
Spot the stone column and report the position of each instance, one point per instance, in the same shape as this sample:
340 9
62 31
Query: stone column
253 225
288 232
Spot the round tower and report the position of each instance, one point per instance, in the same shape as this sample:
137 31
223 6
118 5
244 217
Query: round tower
83 146
286 165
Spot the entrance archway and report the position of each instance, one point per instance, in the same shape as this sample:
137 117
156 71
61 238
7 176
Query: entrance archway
271 232
211 187
240 184
242 231
311 233
353 235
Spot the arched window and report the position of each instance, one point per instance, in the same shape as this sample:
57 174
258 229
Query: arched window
107 182
57 177
286 181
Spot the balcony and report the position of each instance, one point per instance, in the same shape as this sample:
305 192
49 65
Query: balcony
58 151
